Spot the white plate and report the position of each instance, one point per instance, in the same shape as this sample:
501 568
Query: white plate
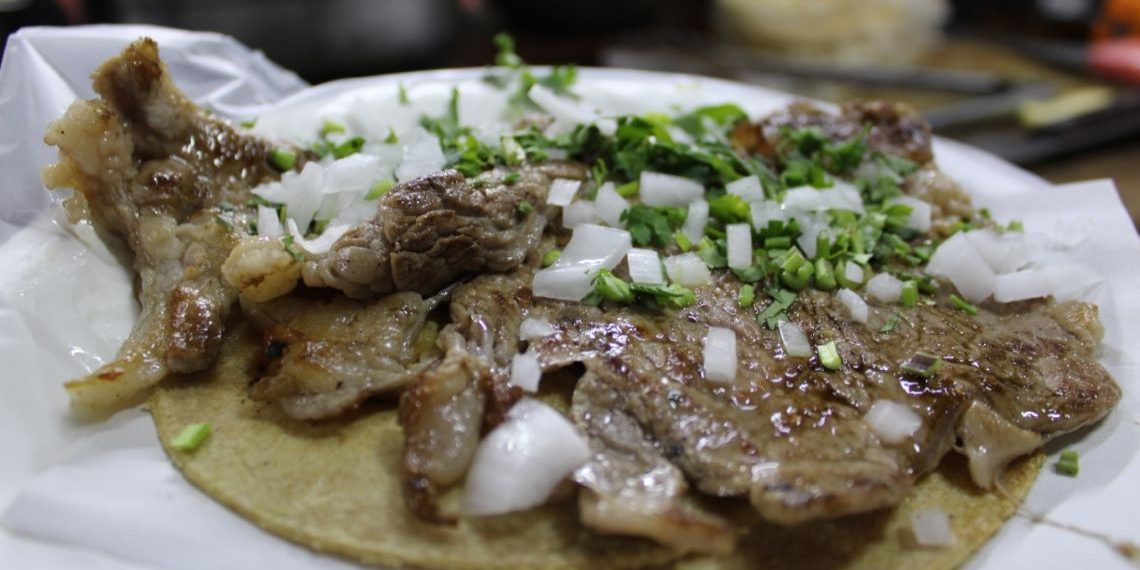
105 496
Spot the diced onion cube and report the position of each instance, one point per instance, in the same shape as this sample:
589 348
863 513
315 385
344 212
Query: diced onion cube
841 196
855 305
885 288
532 329
645 266
1004 253
1063 281
720 355
932 528
687 270
562 191
657 189
765 212
739 245
269 222
525 371
959 261
610 205
595 246
920 212
521 461
892 422
853 272
696 219
794 340
578 213
748 188
565 283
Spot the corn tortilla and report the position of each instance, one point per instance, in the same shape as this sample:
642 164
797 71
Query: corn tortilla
335 487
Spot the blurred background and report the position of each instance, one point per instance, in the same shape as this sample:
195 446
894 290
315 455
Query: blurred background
1053 85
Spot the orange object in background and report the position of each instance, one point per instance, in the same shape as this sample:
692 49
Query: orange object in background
1117 19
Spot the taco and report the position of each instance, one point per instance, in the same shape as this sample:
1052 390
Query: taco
459 359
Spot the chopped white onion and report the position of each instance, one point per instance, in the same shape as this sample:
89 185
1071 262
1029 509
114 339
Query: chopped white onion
855 305
578 213
1004 253
562 191
321 244
610 205
567 283
526 371
920 212
522 460
959 261
1064 281
687 270
891 421
765 212
269 222
422 156
795 341
531 329
696 219
739 238
644 266
591 248
811 225
932 528
841 196
566 112
720 355
884 288
748 188
657 189
300 192
595 246
354 174
854 272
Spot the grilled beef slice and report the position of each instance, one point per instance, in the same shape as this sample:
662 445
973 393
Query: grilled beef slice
429 232
151 167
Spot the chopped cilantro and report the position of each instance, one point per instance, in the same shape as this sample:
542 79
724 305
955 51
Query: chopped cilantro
652 225
746 296
525 207
191 437
282 159
698 122
673 295
550 257
612 287
391 138
962 304
331 127
891 323
291 248
402 94
776 311
348 147
511 178
729 208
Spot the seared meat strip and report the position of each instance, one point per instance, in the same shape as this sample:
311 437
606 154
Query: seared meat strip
629 487
327 356
447 405
151 167
431 231
791 435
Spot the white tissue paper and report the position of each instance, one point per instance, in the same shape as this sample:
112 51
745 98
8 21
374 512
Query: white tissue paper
104 496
